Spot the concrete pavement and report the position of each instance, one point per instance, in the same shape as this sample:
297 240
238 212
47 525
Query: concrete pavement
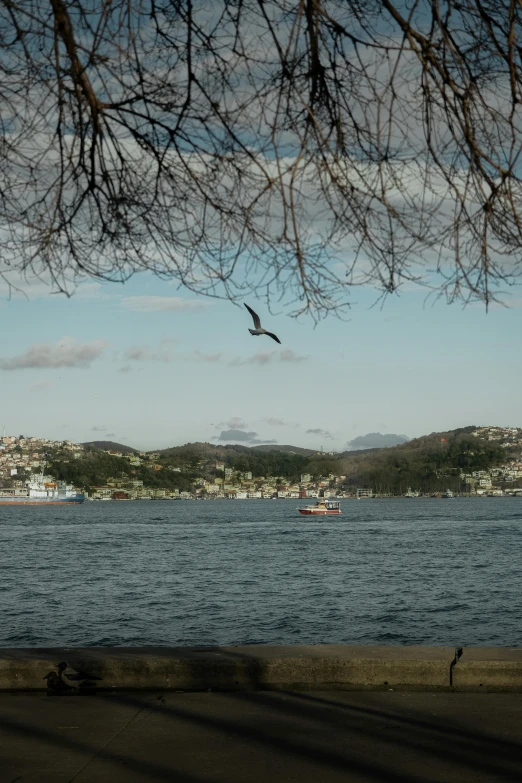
261 736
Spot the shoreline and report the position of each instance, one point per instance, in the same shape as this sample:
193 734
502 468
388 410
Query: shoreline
514 494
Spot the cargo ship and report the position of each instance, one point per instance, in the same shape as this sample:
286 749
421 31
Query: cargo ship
41 493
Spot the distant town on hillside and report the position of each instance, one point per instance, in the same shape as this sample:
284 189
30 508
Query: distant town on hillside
469 460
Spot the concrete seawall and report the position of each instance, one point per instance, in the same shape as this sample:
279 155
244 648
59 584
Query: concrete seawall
299 667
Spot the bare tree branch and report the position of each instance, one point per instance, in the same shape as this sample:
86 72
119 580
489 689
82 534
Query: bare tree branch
289 148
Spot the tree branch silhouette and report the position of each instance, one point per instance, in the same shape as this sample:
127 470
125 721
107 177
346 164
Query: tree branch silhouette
286 148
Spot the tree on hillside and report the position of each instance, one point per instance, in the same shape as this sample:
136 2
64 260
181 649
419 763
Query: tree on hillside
267 463
268 146
424 463
96 468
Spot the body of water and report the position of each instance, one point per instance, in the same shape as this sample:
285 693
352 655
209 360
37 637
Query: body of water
394 571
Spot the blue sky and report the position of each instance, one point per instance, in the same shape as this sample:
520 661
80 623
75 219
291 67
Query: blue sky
134 372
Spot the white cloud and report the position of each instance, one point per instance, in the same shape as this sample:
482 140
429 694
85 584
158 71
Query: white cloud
41 386
66 353
39 284
266 357
152 304
17 287
235 423
503 303
237 435
207 357
290 356
90 291
275 422
261 358
146 354
322 433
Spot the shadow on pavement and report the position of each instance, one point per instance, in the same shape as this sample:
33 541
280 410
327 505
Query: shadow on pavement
379 737
53 739
360 736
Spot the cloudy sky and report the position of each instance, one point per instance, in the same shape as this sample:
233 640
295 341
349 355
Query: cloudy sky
152 366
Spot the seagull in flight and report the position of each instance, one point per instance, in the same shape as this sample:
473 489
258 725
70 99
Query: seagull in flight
258 328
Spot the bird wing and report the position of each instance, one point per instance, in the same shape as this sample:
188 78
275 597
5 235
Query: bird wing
54 682
257 320
72 674
273 336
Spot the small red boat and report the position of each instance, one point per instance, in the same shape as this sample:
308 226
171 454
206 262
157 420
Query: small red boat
322 507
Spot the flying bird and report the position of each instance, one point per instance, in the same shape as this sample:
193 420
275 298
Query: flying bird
73 678
259 329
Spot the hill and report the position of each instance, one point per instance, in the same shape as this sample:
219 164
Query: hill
286 449
376 440
223 451
200 449
109 445
430 463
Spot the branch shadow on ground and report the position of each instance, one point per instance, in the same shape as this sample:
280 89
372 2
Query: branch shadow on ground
53 740
352 727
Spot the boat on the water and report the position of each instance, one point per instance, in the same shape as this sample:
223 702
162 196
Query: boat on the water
411 494
322 507
41 493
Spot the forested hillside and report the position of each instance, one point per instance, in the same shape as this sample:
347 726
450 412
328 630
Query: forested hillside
429 463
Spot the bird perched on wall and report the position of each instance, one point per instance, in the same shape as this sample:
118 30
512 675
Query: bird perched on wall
74 678
55 684
258 328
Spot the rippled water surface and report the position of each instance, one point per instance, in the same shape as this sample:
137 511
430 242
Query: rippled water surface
396 571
